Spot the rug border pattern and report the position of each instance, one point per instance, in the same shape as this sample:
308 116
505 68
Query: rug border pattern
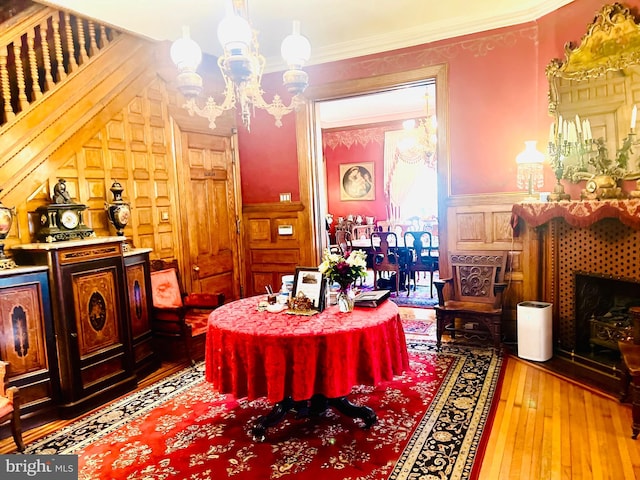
412 462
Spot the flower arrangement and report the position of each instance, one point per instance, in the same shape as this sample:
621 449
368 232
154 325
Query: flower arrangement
344 271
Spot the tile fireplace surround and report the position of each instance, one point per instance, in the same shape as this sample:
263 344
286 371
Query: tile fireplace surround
596 239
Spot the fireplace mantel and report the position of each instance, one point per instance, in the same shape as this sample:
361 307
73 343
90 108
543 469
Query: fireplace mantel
577 213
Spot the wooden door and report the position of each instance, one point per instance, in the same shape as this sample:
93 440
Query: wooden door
210 219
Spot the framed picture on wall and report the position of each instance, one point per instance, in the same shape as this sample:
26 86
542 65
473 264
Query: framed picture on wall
357 181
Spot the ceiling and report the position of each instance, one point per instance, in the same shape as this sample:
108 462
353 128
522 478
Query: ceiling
337 30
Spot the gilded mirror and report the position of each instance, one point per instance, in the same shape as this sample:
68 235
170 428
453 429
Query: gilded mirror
596 87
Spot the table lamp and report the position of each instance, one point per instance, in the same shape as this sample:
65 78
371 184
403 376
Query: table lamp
530 174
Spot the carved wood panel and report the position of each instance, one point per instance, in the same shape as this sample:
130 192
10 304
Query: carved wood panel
138 312
95 310
274 240
133 147
22 329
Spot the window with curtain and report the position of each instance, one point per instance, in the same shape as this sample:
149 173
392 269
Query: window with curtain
410 174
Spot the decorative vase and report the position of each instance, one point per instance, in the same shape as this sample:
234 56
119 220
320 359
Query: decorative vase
118 211
345 300
6 220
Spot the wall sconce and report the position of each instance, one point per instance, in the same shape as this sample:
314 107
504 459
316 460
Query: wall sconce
530 174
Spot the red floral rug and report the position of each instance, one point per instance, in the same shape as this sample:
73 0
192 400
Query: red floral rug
419 321
430 422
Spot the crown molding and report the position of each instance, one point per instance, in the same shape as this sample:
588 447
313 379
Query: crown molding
410 37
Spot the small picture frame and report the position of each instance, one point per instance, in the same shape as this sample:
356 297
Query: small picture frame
311 282
357 181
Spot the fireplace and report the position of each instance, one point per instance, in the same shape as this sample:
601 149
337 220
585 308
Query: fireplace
602 315
584 257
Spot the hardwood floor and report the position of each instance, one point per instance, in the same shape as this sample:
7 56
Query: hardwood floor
545 427
549 427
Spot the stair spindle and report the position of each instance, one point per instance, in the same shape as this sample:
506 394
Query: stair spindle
4 82
103 37
57 43
73 65
33 63
93 47
81 42
17 53
46 56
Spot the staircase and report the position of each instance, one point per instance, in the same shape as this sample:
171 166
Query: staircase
61 76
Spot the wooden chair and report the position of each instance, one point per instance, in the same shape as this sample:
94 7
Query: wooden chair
177 314
362 231
387 257
343 239
422 257
472 296
10 406
630 354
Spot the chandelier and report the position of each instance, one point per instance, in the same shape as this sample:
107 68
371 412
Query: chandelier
242 66
419 142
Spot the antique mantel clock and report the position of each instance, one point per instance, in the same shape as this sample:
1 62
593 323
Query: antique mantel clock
62 219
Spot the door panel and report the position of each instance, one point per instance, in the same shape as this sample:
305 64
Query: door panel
211 213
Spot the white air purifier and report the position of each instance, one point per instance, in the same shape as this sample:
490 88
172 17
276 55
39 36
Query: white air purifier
535 331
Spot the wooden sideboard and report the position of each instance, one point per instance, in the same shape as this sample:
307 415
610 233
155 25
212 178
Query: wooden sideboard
99 307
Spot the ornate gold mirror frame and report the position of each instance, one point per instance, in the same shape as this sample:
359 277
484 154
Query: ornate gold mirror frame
592 94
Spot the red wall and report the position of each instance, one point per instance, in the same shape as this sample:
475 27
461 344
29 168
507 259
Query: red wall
357 153
497 96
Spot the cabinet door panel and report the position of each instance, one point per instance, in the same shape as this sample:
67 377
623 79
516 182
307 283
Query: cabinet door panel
95 308
22 328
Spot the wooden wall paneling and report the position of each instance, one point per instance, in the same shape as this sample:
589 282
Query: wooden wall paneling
272 252
484 223
71 115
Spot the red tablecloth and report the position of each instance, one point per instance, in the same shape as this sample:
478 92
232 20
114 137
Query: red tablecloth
260 354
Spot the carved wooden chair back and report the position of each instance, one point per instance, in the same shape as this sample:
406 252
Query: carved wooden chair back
472 296
475 275
343 239
386 256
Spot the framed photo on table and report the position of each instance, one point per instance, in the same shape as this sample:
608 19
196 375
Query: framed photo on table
357 181
310 281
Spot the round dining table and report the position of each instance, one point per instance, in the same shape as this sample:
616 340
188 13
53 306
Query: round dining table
305 363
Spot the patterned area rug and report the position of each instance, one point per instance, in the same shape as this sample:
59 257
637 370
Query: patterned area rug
418 298
430 423
419 321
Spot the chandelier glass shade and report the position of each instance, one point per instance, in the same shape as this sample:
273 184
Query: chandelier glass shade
242 67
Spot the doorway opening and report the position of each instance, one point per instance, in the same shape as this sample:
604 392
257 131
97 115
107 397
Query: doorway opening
311 162
388 140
